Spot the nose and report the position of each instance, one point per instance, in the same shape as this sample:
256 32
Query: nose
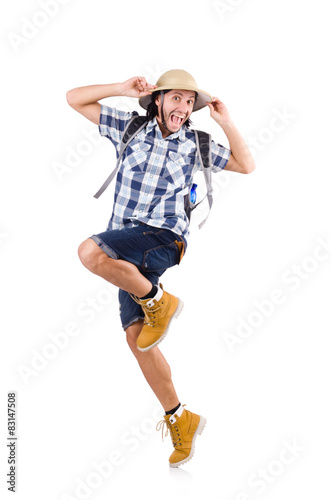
183 108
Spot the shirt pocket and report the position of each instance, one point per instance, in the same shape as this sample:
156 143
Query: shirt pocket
136 156
176 167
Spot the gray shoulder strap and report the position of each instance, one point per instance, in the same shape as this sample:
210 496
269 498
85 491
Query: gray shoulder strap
133 127
203 142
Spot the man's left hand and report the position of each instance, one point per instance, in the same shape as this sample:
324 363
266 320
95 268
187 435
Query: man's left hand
218 111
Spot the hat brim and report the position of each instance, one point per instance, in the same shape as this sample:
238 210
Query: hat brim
200 102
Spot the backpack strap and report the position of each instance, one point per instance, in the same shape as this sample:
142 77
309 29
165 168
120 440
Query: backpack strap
203 142
134 126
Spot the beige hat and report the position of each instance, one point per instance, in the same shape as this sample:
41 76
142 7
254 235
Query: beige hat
176 79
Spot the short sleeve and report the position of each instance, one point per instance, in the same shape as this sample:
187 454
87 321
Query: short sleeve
220 156
113 123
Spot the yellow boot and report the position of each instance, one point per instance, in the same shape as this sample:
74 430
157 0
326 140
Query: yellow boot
159 312
184 426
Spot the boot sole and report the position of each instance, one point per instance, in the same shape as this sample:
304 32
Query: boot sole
175 315
199 431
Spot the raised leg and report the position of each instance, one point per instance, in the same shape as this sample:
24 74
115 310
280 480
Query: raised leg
120 273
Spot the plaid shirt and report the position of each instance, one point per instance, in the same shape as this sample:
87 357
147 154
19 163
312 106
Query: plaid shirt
155 173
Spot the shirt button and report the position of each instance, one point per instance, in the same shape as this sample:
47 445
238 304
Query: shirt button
157 158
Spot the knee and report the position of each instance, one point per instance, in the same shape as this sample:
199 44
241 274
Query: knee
132 333
89 253
132 342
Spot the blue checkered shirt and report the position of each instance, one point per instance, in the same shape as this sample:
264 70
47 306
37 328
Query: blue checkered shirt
155 173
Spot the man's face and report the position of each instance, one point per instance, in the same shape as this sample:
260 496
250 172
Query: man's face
177 108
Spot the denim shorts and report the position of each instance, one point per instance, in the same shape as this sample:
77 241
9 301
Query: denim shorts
152 249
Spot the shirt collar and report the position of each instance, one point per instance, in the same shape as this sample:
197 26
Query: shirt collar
180 134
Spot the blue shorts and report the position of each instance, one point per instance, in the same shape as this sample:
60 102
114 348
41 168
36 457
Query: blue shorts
151 249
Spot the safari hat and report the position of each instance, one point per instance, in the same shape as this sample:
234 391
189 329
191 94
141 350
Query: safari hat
181 80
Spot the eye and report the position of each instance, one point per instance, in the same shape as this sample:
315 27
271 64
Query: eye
176 97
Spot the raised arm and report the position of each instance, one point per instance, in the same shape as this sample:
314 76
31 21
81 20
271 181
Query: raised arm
85 99
241 159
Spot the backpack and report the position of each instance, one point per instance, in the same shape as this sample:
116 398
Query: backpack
203 142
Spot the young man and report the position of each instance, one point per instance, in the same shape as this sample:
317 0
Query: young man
148 229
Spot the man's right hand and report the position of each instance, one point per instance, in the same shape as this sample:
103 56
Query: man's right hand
136 87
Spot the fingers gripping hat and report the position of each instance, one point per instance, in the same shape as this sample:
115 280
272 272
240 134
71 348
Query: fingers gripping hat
178 79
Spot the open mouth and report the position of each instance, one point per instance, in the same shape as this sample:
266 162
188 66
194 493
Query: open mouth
176 119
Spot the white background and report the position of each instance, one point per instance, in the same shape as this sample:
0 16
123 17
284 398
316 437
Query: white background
271 390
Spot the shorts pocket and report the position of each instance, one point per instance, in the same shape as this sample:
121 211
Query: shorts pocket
161 258
153 233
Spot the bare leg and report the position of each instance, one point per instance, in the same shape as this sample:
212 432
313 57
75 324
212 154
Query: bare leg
126 276
118 272
154 367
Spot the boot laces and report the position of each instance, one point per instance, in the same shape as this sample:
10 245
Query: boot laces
165 426
148 311
150 314
174 431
